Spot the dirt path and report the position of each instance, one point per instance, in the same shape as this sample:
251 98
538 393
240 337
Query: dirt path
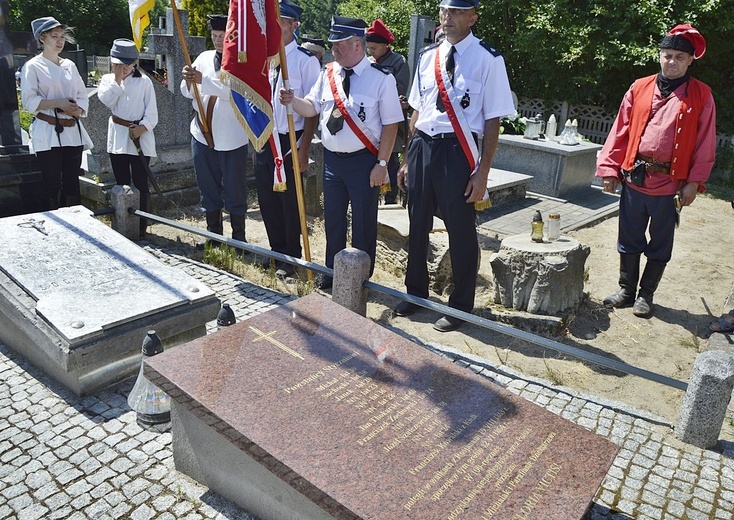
696 285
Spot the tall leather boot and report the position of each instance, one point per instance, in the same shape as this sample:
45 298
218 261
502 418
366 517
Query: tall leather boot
213 225
629 273
238 230
643 306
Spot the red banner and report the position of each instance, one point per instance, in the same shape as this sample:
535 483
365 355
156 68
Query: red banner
251 41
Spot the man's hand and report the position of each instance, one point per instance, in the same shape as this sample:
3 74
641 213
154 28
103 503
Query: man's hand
137 130
303 157
403 177
610 184
191 75
476 188
378 175
286 96
688 193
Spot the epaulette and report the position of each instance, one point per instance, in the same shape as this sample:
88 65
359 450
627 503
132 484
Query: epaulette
492 50
429 47
382 69
305 51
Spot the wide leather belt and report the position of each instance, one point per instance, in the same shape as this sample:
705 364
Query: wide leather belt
653 166
446 135
51 120
124 122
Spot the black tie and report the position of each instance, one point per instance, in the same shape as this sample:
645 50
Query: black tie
336 121
450 73
217 61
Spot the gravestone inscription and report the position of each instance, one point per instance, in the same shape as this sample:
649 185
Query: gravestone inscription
77 298
311 411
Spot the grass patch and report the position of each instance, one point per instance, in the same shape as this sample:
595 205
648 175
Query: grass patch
554 376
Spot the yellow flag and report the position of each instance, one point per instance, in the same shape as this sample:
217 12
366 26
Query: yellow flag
139 19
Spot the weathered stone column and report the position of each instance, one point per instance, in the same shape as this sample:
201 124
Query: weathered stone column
351 269
704 405
122 198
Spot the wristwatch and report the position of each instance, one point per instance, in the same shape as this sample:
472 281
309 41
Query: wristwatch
382 162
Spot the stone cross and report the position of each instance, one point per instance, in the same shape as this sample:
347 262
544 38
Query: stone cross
167 44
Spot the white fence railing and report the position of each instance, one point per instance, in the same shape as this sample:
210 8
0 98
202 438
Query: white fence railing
594 122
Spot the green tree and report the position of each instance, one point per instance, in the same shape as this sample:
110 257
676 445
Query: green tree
198 11
97 23
395 13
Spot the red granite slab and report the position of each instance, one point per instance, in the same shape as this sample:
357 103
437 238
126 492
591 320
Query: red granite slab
304 388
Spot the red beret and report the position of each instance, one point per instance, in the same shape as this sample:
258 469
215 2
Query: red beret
378 32
692 35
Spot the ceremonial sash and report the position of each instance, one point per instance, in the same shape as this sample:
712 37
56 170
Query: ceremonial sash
458 121
355 123
279 183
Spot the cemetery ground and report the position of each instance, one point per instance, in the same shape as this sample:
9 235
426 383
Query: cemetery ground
694 290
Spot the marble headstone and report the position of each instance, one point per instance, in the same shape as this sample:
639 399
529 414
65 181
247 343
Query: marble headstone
76 298
310 411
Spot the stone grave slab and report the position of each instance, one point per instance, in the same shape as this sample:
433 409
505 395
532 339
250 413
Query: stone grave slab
76 298
310 411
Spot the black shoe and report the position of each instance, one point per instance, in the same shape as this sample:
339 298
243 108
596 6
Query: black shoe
325 283
447 324
406 308
642 307
621 298
284 270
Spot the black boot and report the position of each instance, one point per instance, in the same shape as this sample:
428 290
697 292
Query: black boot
238 230
213 225
629 273
643 306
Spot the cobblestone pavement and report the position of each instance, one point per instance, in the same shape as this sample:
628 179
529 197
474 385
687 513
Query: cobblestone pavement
67 457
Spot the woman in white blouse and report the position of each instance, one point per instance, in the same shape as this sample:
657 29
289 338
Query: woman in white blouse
53 91
130 141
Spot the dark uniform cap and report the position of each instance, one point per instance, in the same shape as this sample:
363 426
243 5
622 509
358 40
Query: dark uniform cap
217 22
343 28
290 10
123 51
41 25
460 4
309 38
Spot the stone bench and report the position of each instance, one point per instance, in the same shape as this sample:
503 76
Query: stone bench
555 169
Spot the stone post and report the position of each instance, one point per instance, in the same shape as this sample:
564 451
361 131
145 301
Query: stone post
704 405
422 31
122 198
351 269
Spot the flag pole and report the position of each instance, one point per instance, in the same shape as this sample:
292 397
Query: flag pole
294 150
177 19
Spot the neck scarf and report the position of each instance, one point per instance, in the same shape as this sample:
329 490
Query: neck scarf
667 86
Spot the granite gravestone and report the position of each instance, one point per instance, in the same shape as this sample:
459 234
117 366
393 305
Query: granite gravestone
77 298
310 411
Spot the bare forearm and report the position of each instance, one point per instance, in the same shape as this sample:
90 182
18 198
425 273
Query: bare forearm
489 145
387 141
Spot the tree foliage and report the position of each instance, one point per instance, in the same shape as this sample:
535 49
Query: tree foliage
584 51
97 23
198 11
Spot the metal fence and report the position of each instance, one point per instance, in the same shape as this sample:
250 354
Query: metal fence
443 309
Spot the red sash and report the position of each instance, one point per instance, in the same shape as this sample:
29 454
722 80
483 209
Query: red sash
456 116
357 128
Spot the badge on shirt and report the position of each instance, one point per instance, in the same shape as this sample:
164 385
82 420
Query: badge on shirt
465 101
361 114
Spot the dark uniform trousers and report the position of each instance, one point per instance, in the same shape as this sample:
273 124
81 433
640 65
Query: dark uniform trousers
347 179
437 177
636 209
279 209
60 168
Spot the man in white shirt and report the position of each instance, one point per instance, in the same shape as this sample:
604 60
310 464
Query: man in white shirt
279 209
459 94
220 155
359 111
